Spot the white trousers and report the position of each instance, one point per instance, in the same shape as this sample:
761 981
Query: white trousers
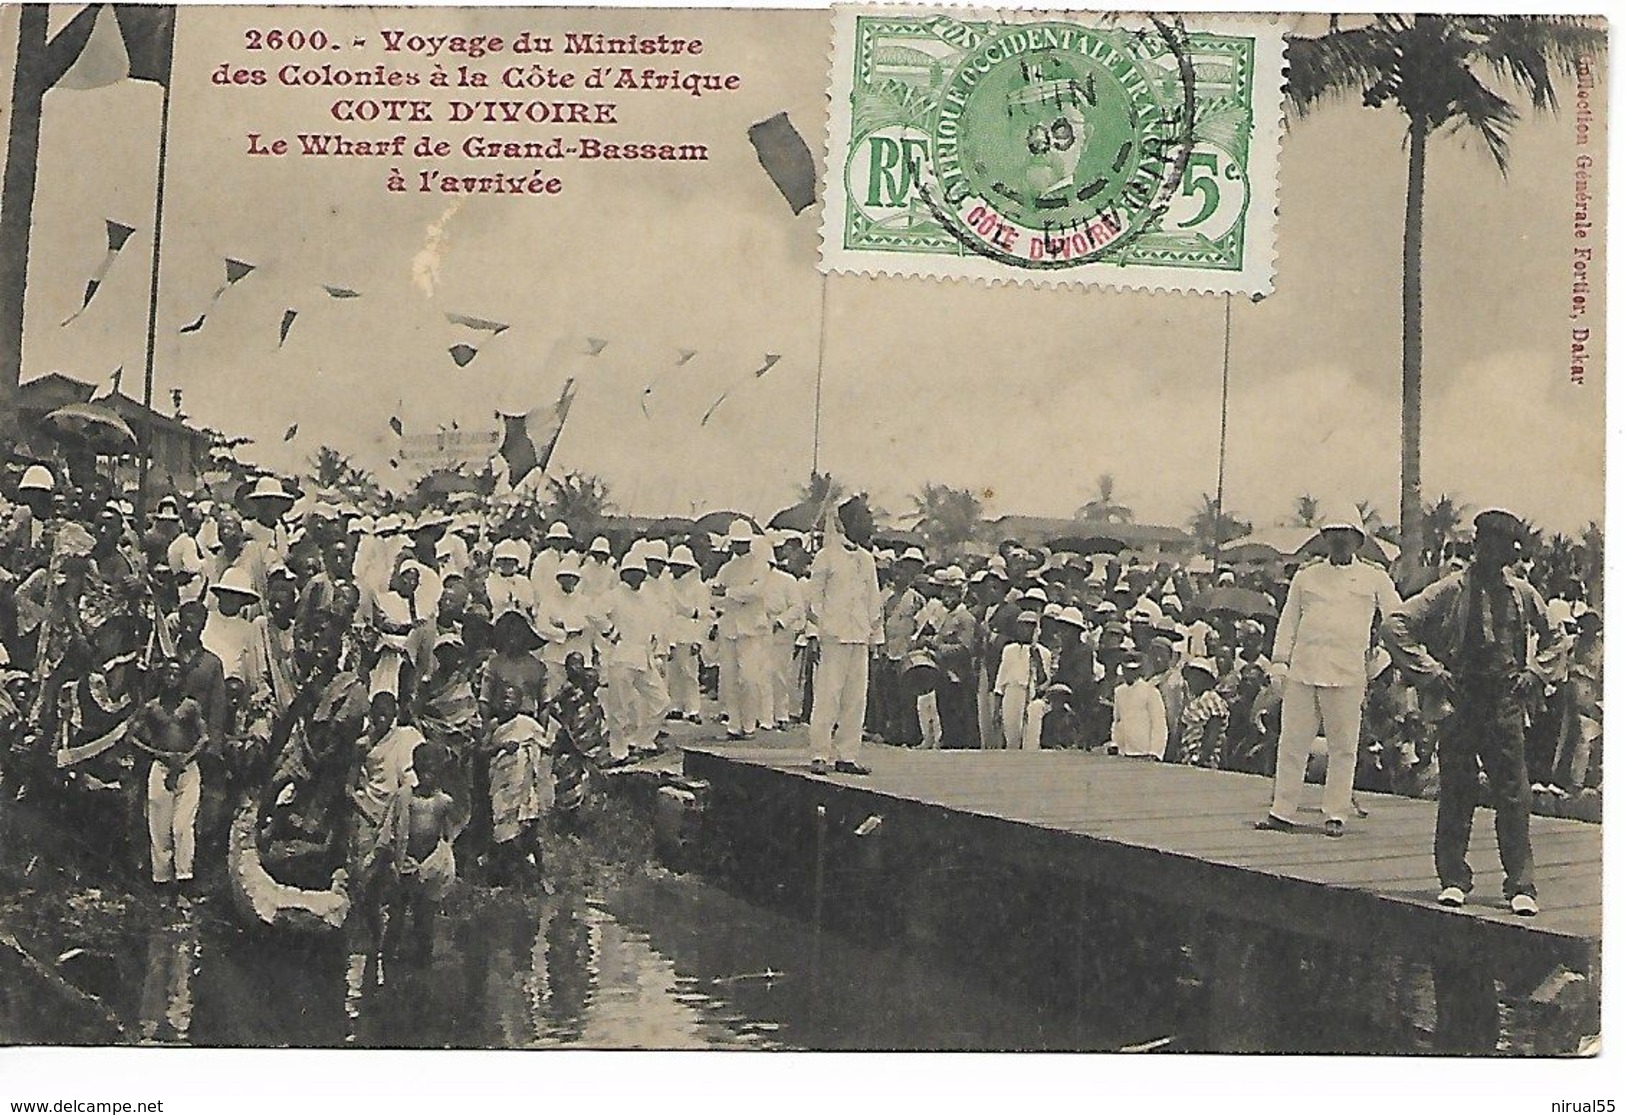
840 696
785 696
683 680
172 822
987 731
1023 720
930 720
635 705
743 679
1308 710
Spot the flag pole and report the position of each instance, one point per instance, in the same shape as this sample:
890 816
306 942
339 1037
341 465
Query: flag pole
1224 430
29 80
152 313
818 382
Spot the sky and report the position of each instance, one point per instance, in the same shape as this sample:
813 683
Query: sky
1024 395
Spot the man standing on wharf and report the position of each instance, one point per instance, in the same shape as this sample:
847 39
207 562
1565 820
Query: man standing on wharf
844 622
1321 643
1465 640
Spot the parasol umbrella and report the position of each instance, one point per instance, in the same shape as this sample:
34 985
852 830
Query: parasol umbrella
1237 601
95 427
899 539
717 522
1088 544
803 517
1293 544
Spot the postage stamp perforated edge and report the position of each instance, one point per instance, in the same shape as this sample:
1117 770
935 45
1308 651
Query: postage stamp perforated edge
1255 276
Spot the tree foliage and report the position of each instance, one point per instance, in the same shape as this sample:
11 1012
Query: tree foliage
1213 527
948 517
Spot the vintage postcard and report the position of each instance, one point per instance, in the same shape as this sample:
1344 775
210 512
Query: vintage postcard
858 528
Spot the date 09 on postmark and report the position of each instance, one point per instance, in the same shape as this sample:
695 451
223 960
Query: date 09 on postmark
1066 149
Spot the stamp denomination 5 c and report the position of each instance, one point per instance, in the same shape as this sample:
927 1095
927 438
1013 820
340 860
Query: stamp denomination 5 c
1066 149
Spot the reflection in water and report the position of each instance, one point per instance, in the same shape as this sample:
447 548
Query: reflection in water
656 962
173 955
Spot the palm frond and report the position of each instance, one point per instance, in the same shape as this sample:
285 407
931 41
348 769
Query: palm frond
1491 115
1524 50
1335 65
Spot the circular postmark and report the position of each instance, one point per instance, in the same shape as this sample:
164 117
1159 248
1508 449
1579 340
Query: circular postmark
1056 144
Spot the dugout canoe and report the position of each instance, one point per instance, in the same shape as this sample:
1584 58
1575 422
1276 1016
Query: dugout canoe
259 898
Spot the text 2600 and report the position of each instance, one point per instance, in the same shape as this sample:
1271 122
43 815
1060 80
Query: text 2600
275 39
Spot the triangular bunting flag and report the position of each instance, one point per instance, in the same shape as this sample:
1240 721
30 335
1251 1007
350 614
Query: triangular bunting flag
595 346
293 432
117 235
340 292
105 43
768 361
103 59
287 323
484 326
463 353
684 355
236 270
395 424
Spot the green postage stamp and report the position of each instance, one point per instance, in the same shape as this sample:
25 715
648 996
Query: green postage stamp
1071 149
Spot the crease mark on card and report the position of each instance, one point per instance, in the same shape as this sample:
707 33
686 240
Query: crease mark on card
426 264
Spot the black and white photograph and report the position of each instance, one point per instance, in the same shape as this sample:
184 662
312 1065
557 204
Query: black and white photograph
877 529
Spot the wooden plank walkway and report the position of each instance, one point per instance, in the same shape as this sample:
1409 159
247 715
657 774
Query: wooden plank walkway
1185 835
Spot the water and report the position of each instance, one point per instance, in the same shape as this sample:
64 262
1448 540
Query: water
654 962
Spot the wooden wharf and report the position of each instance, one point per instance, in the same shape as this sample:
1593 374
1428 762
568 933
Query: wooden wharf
1177 836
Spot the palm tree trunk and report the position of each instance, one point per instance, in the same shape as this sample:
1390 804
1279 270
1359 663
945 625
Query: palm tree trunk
1410 379
17 202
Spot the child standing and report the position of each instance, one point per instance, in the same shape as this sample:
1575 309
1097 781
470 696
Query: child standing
1203 721
521 785
425 866
1139 718
170 728
1024 673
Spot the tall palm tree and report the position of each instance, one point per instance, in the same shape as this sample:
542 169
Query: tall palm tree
1213 527
947 517
822 487
1441 520
1371 520
1104 508
1305 511
1438 71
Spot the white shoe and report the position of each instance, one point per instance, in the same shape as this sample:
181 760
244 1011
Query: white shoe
1525 906
1454 897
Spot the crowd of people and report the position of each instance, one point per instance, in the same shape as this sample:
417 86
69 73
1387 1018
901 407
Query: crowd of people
407 697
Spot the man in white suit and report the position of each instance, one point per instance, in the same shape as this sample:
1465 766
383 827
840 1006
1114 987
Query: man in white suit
1333 606
843 625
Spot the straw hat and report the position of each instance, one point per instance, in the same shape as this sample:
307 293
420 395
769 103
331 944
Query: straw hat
235 580
37 478
269 487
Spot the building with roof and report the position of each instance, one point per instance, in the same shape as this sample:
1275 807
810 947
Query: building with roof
178 452
1152 542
